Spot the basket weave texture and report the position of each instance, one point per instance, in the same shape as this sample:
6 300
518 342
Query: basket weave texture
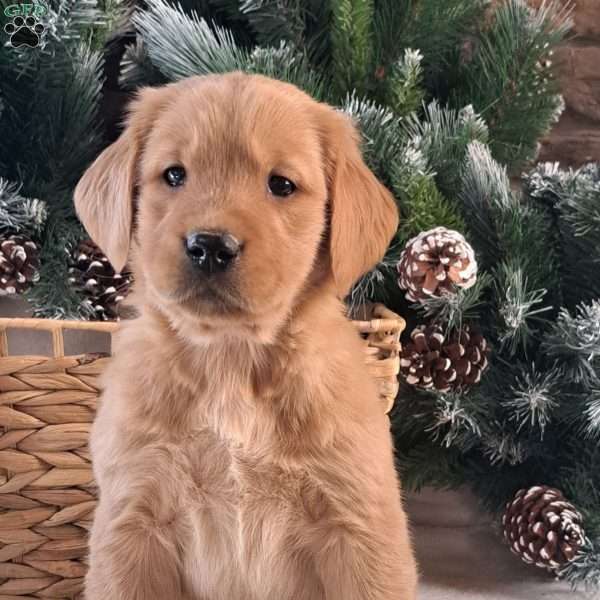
381 330
47 491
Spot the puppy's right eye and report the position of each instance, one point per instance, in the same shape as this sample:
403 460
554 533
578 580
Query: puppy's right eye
281 186
174 176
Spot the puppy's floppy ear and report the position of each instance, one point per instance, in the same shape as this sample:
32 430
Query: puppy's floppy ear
104 195
364 216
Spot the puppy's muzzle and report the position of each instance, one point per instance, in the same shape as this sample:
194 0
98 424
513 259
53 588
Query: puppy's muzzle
212 252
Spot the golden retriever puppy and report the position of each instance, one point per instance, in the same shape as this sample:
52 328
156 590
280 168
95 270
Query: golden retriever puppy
240 449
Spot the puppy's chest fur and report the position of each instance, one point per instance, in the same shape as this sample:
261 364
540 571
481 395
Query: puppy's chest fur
251 510
225 477
238 508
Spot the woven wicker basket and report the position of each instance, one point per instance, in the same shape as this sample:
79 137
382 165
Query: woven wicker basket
47 492
381 331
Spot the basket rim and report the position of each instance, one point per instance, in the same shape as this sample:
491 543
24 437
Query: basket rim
383 320
379 310
56 324
56 327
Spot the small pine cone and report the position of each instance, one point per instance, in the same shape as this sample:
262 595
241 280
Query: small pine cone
94 277
19 264
542 527
434 361
436 262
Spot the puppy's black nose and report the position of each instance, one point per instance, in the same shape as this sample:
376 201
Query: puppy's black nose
212 252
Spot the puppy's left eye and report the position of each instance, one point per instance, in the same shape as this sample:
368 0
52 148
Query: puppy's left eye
281 186
174 176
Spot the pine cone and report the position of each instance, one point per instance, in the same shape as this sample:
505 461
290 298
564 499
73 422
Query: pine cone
94 277
19 264
432 360
436 262
542 527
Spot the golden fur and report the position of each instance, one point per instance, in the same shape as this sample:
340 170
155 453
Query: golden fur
240 449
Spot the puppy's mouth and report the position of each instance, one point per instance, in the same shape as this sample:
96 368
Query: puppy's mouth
215 305
207 295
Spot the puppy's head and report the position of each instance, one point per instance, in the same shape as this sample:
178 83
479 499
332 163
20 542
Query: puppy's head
245 193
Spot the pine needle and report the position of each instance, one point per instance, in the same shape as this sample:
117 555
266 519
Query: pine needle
574 342
181 45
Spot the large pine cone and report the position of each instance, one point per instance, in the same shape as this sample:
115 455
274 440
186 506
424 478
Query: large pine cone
436 262
93 276
19 264
542 527
432 360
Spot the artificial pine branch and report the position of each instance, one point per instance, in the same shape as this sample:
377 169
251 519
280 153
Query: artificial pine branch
502 447
19 214
409 168
510 79
226 14
382 141
287 64
535 398
574 342
485 195
382 137
181 45
453 310
423 207
581 480
74 112
211 9
576 194
456 421
584 570
404 84
426 465
52 121
443 135
276 21
78 18
591 413
520 307
87 21
436 28
232 8
572 198
303 25
504 226
581 475
318 33
374 285
390 19
52 98
53 296
352 45
137 69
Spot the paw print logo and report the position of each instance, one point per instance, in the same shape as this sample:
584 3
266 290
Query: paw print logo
24 32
